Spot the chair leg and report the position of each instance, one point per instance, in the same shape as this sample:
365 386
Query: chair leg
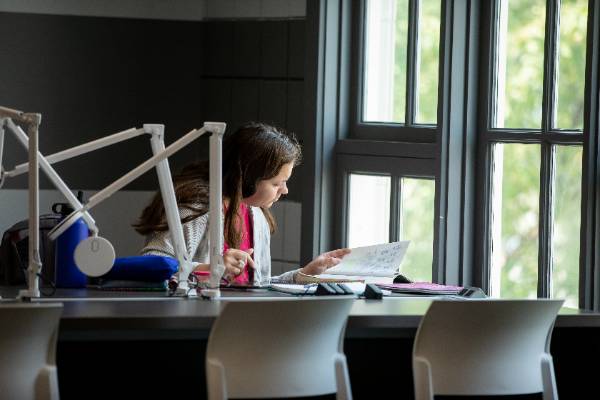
46 384
342 379
548 379
422 379
215 380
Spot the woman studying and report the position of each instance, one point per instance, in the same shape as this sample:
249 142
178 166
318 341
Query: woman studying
258 160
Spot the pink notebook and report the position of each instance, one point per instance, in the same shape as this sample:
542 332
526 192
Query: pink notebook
421 288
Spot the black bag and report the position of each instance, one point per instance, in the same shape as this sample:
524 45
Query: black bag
14 252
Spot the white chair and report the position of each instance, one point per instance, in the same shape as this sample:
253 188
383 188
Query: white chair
279 348
485 347
28 334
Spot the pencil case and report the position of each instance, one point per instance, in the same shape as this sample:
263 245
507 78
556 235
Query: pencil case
150 268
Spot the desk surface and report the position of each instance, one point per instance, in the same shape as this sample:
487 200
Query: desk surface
92 314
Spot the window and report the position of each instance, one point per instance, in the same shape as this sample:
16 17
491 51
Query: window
479 118
387 201
399 69
416 224
533 139
368 210
395 96
369 223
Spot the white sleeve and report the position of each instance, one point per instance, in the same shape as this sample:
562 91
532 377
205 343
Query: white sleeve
286 277
160 242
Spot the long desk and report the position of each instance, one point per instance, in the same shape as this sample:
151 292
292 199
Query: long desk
111 339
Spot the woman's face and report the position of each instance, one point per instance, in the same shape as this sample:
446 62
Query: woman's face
268 191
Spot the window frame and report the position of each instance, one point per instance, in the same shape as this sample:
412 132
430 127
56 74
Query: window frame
452 149
547 137
396 168
409 131
457 152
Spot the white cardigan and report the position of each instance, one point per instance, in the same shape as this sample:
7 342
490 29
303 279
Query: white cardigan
195 233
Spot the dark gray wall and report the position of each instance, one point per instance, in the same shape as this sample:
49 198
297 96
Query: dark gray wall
92 76
254 71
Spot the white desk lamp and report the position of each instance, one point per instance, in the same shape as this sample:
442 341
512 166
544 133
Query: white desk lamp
95 255
32 122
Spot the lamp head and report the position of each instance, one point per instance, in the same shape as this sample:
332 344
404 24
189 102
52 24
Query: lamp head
94 256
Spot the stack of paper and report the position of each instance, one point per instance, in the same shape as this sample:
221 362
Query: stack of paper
423 288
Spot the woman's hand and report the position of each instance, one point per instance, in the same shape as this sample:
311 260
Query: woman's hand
235 260
324 261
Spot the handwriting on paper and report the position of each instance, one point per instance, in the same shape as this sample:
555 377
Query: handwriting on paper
378 260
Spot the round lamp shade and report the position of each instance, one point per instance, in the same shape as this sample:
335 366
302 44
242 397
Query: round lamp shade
94 256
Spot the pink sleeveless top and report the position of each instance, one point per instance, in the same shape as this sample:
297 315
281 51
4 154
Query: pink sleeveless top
246 277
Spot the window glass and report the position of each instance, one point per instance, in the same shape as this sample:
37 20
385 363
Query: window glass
566 224
386 37
515 220
416 225
368 210
428 61
519 70
571 65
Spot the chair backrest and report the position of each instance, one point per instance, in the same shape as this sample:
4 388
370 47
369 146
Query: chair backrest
281 348
486 346
28 334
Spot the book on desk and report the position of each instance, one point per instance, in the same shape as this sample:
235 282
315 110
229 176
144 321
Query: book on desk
414 289
378 264
368 264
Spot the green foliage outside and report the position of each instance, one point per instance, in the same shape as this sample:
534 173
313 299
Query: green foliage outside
519 104
400 56
571 71
429 53
520 188
517 255
417 226
567 221
428 68
524 44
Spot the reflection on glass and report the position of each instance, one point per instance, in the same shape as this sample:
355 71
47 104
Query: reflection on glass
519 64
368 210
386 37
566 224
571 65
416 225
429 49
514 220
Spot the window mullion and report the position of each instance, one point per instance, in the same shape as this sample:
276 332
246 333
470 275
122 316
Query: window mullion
547 158
590 218
412 64
395 208
550 65
546 211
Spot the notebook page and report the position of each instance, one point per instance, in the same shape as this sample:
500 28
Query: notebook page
378 260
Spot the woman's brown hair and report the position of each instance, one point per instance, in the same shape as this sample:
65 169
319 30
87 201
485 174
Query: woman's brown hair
252 153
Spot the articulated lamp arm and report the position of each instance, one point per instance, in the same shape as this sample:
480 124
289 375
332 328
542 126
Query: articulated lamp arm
93 255
32 121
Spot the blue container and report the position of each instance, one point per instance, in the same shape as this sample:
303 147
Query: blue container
68 274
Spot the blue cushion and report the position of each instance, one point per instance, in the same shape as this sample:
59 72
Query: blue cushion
143 268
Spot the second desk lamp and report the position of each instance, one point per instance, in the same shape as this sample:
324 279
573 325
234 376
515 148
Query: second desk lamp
95 255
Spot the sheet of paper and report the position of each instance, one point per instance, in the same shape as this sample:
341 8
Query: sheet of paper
378 260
